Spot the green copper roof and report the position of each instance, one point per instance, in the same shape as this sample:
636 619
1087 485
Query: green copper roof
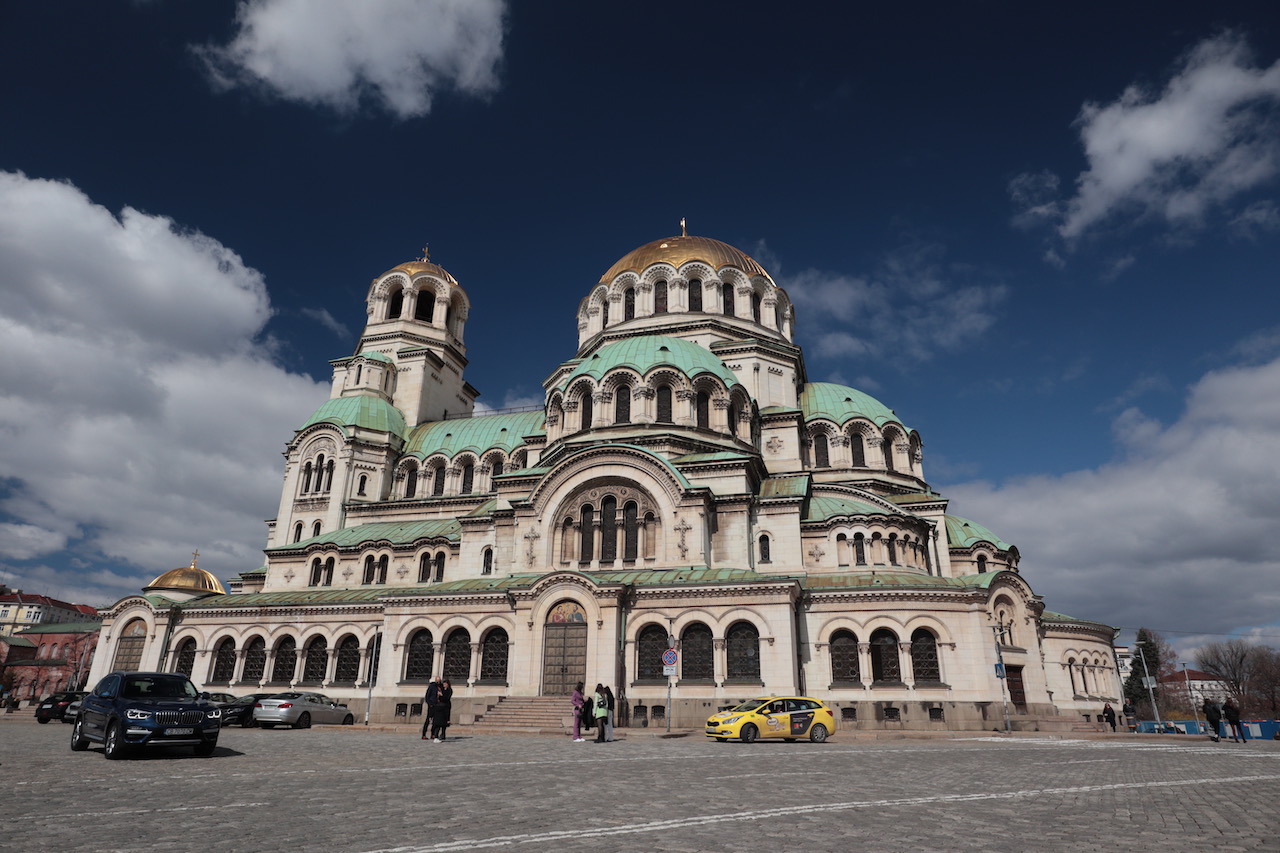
478 435
840 403
17 642
719 456
963 533
785 487
900 580
821 508
364 411
644 353
374 356
395 532
913 498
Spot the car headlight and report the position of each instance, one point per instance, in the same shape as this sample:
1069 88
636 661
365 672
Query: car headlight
137 714
215 714
731 720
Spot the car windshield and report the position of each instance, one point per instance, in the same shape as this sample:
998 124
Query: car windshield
750 705
158 687
249 700
288 696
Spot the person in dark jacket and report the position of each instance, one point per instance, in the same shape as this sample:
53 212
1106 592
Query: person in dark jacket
429 704
1109 714
600 707
1231 711
443 708
1212 718
608 720
578 701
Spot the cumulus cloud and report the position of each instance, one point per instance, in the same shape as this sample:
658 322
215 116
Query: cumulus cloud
1178 532
914 306
395 54
324 318
1171 155
141 412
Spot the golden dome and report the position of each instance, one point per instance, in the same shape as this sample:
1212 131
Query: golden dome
423 265
681 250
188 579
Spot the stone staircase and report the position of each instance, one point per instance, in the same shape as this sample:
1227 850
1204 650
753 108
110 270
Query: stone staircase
545 714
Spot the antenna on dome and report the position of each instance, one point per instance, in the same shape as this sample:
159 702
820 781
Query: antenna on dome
683 231
426 254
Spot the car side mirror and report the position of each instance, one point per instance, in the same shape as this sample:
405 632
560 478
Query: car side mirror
204 694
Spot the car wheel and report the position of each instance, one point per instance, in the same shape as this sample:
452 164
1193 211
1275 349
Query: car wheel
114 747
348 720
42 720
304 722
267 725
818 733
206 748
248 723
79 742
750 733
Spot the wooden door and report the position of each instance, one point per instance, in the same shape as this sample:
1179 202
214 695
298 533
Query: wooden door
564 657
1017 693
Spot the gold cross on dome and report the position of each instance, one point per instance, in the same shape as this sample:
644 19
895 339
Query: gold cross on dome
194 555
683 231
426 253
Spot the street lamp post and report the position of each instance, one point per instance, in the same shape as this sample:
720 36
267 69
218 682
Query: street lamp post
1191 697
1149 681
999 630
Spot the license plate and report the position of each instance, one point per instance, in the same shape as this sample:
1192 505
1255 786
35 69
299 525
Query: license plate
176 732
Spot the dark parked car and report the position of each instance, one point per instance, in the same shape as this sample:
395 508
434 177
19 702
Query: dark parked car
54 706
240 712
134 710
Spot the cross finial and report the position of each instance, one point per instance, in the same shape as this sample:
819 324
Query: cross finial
194 556
683 231
426 253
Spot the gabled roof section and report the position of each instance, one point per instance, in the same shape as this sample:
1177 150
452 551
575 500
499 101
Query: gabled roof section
963 533
394 532
478 435
363 410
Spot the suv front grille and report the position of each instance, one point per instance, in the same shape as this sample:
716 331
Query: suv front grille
173 718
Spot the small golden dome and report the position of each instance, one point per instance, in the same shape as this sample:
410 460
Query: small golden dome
187 579
681 250
421 265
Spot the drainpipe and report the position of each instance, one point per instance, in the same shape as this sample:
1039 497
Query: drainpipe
798 621
175 612
622 712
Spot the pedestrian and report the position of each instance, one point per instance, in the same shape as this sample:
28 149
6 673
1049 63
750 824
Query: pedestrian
429 704
1212 718
1109 714
1231 711
608 720
443 708
1130 715
600 707
578 702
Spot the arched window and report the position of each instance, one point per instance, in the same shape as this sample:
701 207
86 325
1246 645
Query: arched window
382 569
411 483
608 529
306 478
468 478
316 665
664 405
982 563
255 660
857 450
286 665
884 656
437 483
888 453
425 308
370 568
185 660
396 306
328 475
842 550
660 297
359 372
585 405
424 568
1071 671
630 531
315 529
733 419
650 645
844 658
742 646
703 403
487 567
319 483
495 469
587 529
224 662
493 656
629 304
924 657
697 661
726 296
317 572
420 657
362 484
622 404
328 572
439 566
755 307
859 549
457 656
129 647
297 532
893 549
695 294
821 457
347 668
764 549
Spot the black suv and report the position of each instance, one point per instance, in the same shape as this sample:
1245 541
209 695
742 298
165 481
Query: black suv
128 710
54 706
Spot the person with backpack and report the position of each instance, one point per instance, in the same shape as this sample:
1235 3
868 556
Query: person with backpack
600 710
1231 711
579 703
429 705
1212 718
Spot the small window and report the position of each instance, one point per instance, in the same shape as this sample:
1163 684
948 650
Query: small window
764 549
488 562
695 294
315 529
982 564
297 532
726 295
892 715
629 304
468 478
821 456
660 298
622 404
848 715
664 404
363 483
936 715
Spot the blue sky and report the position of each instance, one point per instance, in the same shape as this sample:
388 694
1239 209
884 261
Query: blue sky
1047 237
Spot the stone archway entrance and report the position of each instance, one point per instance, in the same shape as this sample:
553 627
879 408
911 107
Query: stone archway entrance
564 649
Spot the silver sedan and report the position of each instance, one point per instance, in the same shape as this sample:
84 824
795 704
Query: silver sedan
300 710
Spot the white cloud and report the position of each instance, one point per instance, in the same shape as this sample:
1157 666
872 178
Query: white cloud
142 415
324 318
1256 220
397 54
1171 156
912 307
1177 533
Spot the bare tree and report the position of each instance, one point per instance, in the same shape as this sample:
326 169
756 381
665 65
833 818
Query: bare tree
1266 684
1236 662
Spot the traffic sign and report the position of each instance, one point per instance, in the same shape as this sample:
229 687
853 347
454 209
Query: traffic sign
668 670
669 657
999 670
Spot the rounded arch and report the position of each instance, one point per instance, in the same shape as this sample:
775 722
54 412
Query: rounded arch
742 651
419 654
651 642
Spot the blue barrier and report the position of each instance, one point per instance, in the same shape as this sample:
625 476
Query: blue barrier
1256 729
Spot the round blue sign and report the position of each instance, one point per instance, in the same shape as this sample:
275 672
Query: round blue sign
669 657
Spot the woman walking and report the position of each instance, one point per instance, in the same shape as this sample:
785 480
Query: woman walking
441 711
601 707
1231 711
608 720
578 701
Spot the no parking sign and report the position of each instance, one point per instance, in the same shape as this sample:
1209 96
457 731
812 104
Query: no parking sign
669 662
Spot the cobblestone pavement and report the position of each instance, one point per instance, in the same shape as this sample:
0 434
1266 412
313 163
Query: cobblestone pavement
353 791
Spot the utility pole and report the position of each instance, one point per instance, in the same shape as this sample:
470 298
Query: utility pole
1190 696
998 631
1149 682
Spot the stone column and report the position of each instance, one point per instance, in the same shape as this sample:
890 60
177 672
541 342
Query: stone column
864 664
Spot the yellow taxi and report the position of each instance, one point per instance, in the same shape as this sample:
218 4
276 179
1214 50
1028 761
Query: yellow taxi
787 717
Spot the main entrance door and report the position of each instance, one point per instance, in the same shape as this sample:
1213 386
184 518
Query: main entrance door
564 649
1017 692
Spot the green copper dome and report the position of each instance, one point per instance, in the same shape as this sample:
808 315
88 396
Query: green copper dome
364 411
644 353
479 434
841 403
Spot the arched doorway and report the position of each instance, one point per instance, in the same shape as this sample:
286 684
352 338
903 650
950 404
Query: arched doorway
564 649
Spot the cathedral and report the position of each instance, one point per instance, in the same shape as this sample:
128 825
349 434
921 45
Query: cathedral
683 487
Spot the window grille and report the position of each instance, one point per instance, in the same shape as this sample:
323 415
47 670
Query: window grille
493 656
468 478
224 662
488 562
884 656
844 658
630 531
650 645
457 656
936 715
695 295
622 404
696 655
664 404
347 670
587 530
420 657
608 529
892 715
186 660
848 715
286 661
629 304
856 448
255 660
743 647
317 662
924 656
